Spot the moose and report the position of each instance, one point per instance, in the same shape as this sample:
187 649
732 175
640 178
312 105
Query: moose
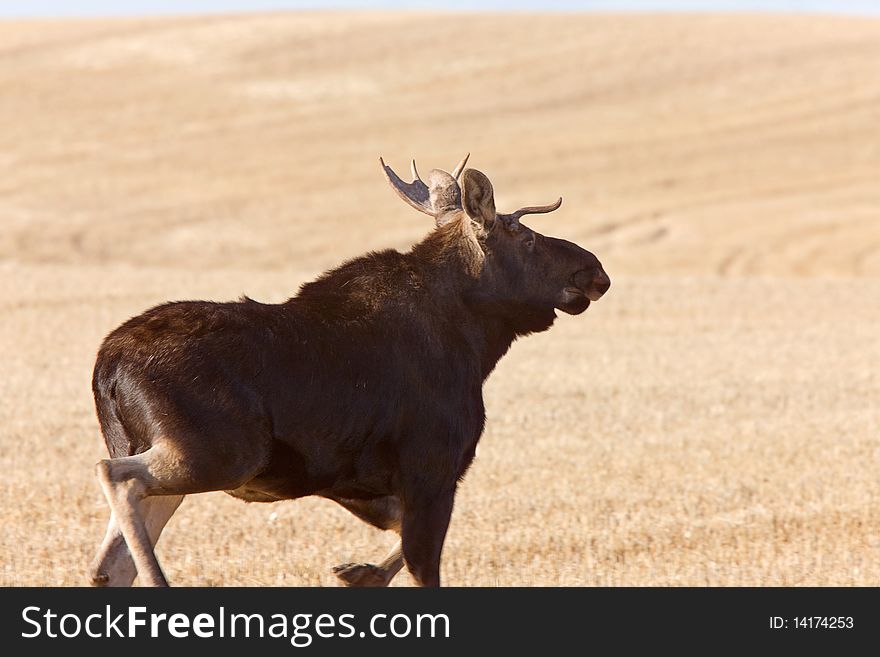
365 388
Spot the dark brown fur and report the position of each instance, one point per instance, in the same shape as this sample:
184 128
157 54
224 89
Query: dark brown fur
365 388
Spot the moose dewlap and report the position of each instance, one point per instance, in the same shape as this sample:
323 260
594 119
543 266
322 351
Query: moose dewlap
364 388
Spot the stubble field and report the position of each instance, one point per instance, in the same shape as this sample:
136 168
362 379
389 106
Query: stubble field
715 419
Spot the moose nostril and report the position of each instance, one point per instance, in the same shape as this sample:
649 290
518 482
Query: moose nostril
583 279
592 280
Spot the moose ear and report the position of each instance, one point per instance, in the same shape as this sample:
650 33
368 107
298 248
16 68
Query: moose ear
477 197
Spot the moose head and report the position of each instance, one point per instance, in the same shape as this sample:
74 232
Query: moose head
523 275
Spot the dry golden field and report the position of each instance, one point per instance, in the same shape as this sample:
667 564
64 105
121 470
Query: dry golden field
714 420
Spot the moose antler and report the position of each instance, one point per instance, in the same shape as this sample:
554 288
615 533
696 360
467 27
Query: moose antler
456 172
514 217
440 195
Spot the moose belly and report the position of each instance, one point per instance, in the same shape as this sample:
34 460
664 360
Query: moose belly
291 474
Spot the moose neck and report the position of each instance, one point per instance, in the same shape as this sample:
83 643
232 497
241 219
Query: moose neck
500 323
454 257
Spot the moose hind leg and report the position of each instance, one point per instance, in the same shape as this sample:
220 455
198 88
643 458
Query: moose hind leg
384 513
126 482
167 468
113 565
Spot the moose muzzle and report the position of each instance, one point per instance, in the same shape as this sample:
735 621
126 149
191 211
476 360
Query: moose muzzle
593 282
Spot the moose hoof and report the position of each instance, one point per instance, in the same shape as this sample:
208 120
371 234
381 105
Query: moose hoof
360 574
99 579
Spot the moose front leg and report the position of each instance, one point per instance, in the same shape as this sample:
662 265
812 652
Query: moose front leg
383 513
425 521
372 575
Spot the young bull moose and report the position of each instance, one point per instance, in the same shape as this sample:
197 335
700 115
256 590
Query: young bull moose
365 388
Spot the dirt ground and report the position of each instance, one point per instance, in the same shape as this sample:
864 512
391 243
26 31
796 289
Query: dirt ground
715 419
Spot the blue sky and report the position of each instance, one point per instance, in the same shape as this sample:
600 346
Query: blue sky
141 7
